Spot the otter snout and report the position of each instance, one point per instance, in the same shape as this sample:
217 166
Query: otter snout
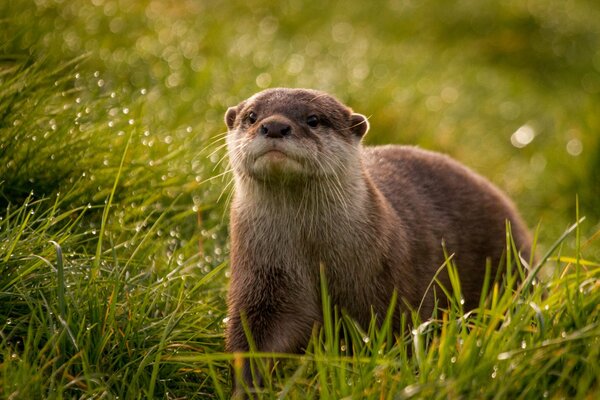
275 128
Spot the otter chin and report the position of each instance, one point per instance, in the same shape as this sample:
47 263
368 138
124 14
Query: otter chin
309 193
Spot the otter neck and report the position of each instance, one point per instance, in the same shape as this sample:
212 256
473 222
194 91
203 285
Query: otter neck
315 208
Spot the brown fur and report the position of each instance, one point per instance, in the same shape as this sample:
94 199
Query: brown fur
374 216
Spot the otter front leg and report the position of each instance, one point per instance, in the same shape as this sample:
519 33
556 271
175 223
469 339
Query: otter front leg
285 330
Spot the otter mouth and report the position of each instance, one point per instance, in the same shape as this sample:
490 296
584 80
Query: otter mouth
274 156
276 162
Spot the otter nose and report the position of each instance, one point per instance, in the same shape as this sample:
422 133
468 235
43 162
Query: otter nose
275 129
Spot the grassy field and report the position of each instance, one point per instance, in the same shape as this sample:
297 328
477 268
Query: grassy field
113 191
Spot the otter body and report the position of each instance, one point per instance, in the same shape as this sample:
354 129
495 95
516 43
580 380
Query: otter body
307 193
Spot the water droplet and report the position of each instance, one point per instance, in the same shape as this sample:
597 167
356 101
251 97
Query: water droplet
574 147
100 83
143 91
523 344
125 110
453 360
522 136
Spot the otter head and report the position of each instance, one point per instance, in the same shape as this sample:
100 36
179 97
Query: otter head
290 135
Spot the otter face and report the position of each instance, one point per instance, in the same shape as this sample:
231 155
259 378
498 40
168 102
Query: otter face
286 135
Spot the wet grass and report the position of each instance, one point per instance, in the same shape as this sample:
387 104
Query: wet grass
113 243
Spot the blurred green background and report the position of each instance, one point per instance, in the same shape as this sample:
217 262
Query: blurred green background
510 88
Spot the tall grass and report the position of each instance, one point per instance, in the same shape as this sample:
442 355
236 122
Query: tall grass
524 340
113 244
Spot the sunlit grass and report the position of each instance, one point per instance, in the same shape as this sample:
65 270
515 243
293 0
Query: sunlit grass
113 240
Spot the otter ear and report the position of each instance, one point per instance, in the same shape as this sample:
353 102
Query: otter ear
230 116
359 125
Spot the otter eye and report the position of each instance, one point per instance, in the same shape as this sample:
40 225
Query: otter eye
312 121
251 117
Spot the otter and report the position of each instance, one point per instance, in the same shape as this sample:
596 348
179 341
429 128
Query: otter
307 194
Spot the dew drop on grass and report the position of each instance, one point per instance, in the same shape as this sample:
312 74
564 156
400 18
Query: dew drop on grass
453 360
523 344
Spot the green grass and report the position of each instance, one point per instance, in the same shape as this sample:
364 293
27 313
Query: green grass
113 240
